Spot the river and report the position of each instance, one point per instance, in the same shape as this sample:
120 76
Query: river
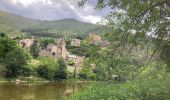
38 91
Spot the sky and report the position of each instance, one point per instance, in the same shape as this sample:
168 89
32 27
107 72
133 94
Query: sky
53 9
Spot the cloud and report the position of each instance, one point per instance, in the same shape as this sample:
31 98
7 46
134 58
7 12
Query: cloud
53 9
90 18
26 3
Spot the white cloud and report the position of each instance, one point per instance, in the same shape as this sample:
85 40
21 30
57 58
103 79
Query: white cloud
86 13
53 9
91 19
26 3
72 7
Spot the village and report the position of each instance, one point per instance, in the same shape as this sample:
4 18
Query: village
58 49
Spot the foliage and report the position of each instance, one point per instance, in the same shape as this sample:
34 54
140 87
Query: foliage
44 72
46 41
12 57
34 49
135 90
47 69
139 27
15 61
165 54
2 71
51 69
71 63
6 45
104 66
61 73
87 73
86 49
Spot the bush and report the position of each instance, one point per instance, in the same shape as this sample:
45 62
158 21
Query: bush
51 69
47 69
61 73
87 73
15 61
6 45
71 63
34 49
44 72
2 71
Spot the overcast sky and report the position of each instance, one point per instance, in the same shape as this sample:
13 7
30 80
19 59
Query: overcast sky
53 9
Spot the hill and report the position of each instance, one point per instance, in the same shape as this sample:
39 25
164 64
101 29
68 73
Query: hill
15 24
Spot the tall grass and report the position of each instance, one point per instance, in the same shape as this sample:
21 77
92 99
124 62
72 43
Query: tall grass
135 90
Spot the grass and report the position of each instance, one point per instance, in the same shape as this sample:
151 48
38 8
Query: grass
134 90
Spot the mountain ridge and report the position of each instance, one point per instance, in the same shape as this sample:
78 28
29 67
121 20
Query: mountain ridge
10 23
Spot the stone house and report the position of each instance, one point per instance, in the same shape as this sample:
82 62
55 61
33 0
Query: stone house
76 59
95 37
75 42
26 42
55 50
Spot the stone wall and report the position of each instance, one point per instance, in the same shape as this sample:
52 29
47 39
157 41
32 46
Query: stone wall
26 42
56 50
75 42
95 38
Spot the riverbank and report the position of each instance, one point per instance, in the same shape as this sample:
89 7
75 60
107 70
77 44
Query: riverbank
23 79
151 89
40 80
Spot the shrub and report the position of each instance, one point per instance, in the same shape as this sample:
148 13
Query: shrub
51 69
2 71
15 61
47 69
43 71
87 73
71 63
61 73
34 49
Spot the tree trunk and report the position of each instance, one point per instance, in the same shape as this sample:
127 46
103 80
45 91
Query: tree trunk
75 70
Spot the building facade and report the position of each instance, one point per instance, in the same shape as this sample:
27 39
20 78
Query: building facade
95 38
75 42
55 50
26 42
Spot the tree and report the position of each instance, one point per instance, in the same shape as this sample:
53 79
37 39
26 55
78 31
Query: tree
12 57
2 34
45 42
15 61
138 22
47 69
43 71
6 45
34 49
62 67
165 54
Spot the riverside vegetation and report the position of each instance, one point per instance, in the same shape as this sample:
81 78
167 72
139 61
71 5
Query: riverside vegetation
18 62
136 65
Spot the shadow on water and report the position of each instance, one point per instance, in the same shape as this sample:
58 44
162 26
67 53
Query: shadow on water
38 91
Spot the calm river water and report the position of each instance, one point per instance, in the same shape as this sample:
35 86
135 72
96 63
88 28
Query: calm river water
38 91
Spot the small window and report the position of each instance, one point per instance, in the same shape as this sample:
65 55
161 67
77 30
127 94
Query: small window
53 53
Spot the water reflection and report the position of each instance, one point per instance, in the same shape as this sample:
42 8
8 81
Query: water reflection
43 91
